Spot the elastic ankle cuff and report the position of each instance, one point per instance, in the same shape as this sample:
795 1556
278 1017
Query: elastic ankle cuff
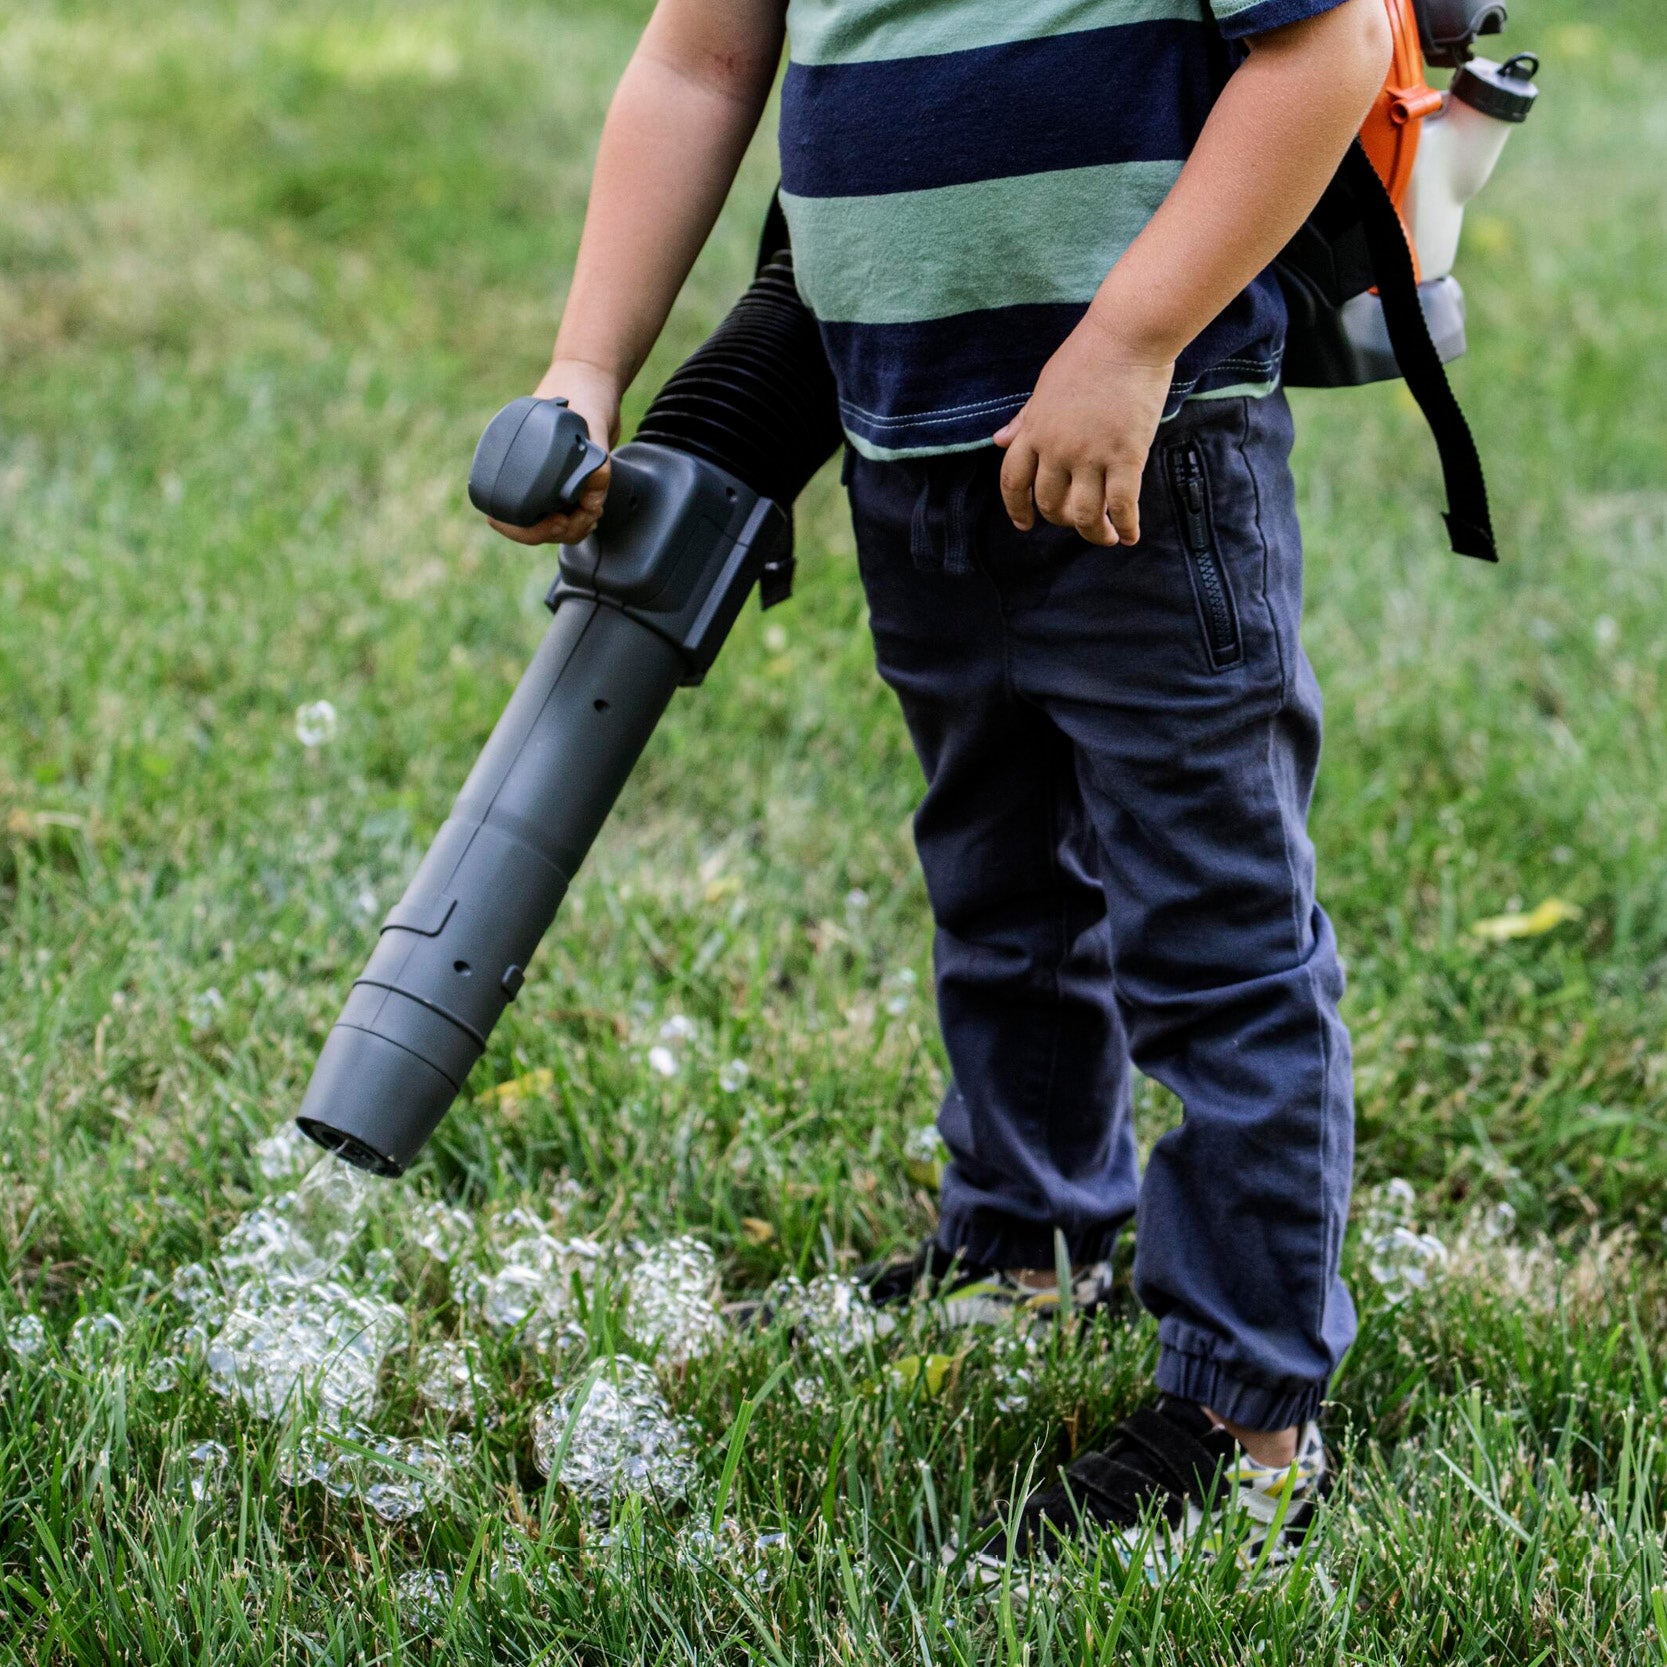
1191 1377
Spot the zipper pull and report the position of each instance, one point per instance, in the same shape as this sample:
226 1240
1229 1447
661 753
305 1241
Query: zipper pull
1189 488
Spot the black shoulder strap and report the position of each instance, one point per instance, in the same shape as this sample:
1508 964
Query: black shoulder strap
1469 520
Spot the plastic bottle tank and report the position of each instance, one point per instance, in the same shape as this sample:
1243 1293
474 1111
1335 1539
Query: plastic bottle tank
1459 151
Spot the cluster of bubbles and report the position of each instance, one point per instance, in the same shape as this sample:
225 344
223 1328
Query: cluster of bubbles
322 1342
395 1478
529 1291
423 1599
831 1315
1013 1360
677 1035
670 1300
449 1376
285 1330
1399 1258
613 1434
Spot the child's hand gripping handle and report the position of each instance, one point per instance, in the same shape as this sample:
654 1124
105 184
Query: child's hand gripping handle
532 462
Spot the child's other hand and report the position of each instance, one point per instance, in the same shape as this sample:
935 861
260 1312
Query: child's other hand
595 396
1078 450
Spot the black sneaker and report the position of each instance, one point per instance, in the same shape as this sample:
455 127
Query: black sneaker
971 1294
1169 1477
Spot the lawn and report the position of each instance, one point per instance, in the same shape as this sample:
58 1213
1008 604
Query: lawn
265 270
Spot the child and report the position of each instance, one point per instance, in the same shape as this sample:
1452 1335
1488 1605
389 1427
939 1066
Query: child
1035 234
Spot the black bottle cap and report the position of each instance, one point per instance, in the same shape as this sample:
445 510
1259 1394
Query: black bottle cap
1504 91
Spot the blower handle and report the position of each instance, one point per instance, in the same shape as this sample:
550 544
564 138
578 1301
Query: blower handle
532 462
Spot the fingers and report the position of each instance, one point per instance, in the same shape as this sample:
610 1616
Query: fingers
1085 508
1052 490
569 528
1122 500
1018 476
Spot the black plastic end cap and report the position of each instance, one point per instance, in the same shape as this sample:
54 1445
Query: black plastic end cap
1504 91
373 1103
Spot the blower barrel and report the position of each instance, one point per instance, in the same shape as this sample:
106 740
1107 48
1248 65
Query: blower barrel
697 512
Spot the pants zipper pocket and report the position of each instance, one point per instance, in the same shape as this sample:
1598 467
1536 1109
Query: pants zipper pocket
1189 481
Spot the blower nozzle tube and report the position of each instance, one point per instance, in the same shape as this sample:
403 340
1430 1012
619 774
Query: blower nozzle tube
697 513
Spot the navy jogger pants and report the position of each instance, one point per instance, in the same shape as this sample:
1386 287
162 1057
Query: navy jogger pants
1120 749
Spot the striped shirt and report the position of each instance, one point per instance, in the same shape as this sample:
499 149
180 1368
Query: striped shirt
961 175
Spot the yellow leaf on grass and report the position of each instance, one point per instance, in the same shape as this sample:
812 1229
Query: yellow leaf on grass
1551 914
529 1087
931 1369
757 1231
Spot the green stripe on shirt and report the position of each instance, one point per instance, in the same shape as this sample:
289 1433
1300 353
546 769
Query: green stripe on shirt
838 32
912 255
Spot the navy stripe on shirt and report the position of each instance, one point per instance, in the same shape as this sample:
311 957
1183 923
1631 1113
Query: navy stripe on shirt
952 382
1024 107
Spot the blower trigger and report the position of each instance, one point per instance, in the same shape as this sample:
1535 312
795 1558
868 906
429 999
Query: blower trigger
532 462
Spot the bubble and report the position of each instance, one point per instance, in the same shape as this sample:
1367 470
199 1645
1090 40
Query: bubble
856 901
1498 1224
382 1270
670 1300
1392 1205
286 1154
732 1077
923 1156
268 1244
900 991
405 1478
196 1289
283 1343
1013 1370
832 1314
315 723
25 1336
623 1438
662 1061
678 1030
205 1470
393 1478
162 1374
423 1599
189 1344
203 1010
507 1572
728 1547
809 1393
533 1288
442 1230
1404 1262
565 1197
447 1374
95 1339
300 1236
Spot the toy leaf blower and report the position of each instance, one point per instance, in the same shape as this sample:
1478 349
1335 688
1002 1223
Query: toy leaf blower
698 513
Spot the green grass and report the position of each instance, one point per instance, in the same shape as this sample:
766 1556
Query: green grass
265 269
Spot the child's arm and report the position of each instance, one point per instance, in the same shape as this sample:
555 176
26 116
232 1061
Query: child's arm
1268 151
678 127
